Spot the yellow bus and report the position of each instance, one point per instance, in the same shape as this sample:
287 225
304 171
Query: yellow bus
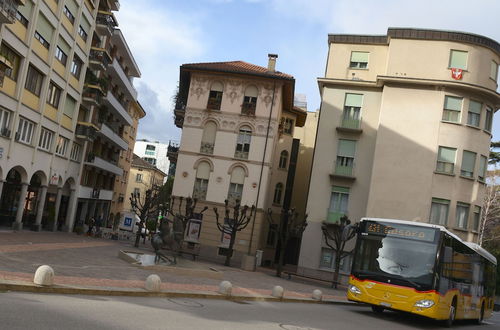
422 269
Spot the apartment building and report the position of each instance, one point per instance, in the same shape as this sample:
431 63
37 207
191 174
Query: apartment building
238 121
403 133
154 152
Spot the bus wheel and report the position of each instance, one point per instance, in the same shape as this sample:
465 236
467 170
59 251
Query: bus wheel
377 309
451 316
481 315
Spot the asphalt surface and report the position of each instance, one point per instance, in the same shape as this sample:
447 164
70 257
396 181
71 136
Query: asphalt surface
41 311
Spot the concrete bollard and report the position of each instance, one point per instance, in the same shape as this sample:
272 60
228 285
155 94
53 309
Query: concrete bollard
153 283
317 295
225 288
278 292
44 275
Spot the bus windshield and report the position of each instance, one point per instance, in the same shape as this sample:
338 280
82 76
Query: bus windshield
407 262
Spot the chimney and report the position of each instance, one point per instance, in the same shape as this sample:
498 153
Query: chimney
271 65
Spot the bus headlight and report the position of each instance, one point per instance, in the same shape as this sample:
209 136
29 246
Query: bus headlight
425 303
354 289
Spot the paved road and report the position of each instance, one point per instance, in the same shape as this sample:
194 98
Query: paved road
37 311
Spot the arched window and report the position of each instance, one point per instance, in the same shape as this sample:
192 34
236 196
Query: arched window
236 185
215 96
249 101
201 181
243 143
208 138
278 190
283 159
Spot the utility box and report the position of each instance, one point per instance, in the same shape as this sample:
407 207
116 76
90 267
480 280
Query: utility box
258 257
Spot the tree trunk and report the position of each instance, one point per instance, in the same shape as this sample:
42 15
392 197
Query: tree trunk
337 270
230 250
281 261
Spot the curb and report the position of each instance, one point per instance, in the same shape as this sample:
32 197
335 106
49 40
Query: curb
57 289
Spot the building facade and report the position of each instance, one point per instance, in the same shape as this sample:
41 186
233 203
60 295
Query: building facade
403 133
237 121
154 152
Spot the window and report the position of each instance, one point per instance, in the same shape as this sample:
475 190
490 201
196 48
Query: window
249 100
208 138
359 60
351 117
75 152
328 260
288 125
236 185
84 28
33 80
468 164
462 215
44 31
150 160
278 190
76 66
272 234
481 175
474 113
61 56
446 160
45 141
458 59
243 142
82 33
477 218
345 157
138 177
4 123
215 96
201 182
439 211
44 42
25 131
14 60
489 119
61 146
54 95
69 106
137 192
339 200
494 71
20 17
68 14
452 108
283 159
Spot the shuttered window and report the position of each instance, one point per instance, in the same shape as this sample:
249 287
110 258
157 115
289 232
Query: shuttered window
462 215
208 138
439 211
359 60
69 106
238 175
474 113
346 148
44 28
494 70
446 160
468 163
458 59
483 162
26 9
452 108
203 170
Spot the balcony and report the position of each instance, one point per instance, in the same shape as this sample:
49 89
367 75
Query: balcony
92 95
113 137
343 170
350 125
333 216
207 148
97 162
92 193
173 151
118 109
4 66
179 112
200 193
248 109
117 74
86 131
105 23
8 11
99 59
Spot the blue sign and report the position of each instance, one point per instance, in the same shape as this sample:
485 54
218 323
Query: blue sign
127 222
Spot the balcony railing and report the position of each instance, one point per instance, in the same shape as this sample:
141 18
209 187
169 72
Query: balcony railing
248 109
92 95
8 11
333 216
241 154
107 165
343 169
99 58
207 148
86 131
200 193
351 123
214 104
233 197
105 22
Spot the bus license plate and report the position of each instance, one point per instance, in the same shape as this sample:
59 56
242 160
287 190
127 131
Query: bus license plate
385 304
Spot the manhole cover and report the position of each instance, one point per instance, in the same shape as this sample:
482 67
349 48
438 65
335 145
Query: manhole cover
186 303
294 327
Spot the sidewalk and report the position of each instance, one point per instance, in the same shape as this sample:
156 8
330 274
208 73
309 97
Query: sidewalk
88 265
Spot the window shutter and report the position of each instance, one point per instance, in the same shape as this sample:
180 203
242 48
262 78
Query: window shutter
359 56
69 106
475 107
251 91
353 100
216 86
468 161
44 28
482 166
203 171
346 148
209 132
340 189
72 6
458 59
453 103
64 46
85 24
26 9
238 175
494 70
446 154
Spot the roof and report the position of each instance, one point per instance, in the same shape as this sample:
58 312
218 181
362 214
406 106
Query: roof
139 162
237 67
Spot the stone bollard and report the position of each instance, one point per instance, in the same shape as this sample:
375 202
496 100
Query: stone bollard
278 292
153 283
225 288
44 275
317 295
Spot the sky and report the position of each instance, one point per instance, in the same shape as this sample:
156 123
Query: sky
164 34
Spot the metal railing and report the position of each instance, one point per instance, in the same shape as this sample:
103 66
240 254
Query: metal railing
207 148
100 55
248 109
343 169
351 123
10 8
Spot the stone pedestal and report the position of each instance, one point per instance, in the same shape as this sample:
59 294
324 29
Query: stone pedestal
248 263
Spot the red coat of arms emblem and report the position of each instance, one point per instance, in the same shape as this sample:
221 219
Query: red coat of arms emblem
456 73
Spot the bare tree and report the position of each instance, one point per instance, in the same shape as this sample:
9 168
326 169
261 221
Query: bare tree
336 236
232 225
182 216
290 225
491 208
145 207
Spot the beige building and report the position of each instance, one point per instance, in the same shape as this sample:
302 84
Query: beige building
404 133
238 121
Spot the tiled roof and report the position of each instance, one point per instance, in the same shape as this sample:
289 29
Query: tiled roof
237 67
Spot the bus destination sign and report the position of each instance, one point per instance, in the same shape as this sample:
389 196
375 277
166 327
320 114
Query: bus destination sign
400 230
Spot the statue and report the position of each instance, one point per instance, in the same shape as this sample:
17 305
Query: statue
165 237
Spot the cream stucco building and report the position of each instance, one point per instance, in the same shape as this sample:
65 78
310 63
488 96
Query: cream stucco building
404 133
